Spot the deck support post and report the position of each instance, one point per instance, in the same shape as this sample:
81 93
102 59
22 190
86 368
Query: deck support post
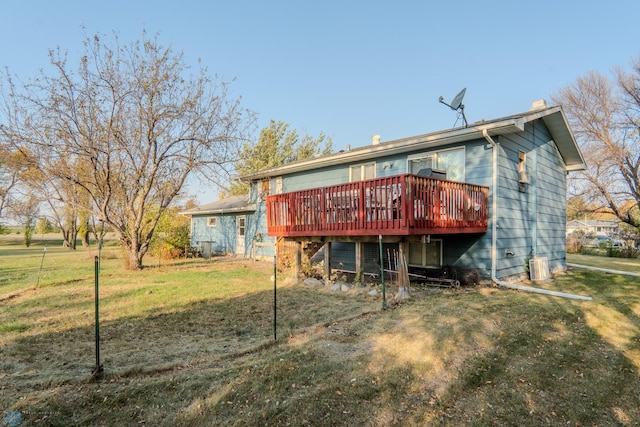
359 259
298 263
403 272
327 260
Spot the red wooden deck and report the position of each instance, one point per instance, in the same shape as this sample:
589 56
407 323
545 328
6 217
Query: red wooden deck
396 205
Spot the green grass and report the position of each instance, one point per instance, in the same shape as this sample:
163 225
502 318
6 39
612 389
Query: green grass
622 264
191 343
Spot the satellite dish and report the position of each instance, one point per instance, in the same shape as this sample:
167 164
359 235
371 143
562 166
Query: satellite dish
456 104
457 101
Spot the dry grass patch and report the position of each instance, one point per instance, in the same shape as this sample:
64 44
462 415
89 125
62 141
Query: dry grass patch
191 344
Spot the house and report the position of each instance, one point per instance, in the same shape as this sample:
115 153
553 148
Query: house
222 226
597 226
485 198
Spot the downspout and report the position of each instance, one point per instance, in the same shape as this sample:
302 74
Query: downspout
494 235
605 270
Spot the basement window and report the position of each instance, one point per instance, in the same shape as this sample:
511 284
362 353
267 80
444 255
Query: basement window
426 254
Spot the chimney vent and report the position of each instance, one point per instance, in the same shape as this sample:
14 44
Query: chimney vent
539 104
375 139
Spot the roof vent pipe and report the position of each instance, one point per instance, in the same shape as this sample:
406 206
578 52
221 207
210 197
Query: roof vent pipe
375 139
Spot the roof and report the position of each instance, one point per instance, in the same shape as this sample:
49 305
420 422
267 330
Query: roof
593 223
553 118
232 204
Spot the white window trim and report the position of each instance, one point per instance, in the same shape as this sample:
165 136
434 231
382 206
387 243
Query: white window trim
212 221
278 185
362 168
241 219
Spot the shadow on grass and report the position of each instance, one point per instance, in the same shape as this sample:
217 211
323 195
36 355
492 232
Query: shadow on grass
507 360
202 334
480 357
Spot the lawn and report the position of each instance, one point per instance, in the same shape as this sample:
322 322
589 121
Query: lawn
191 343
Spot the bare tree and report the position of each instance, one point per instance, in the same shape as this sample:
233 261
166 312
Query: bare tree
129 127
605 117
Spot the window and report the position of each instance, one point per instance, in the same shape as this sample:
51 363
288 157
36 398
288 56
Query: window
427 254
264 188
212 221
362 172
451 161
522 162
241 225
420 163
278 183
523 177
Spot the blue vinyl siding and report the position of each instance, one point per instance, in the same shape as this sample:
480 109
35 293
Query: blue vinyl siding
315 178
476 170
257 232
479 161
470 250
529 220
222 236
551 198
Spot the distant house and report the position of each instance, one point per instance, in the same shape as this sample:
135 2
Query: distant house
222 226
596 226
484 197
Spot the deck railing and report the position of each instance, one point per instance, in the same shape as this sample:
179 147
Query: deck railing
396 205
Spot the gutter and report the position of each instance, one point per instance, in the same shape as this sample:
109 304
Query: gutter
494 236
395 147
249 208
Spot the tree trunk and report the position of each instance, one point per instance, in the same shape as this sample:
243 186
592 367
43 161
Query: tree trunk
132 258
85 239
135 260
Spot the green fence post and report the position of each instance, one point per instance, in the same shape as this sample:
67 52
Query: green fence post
97 371
275 301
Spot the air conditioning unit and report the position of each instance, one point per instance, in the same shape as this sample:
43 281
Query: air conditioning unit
539 268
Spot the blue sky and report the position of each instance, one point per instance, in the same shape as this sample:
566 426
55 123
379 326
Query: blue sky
353 69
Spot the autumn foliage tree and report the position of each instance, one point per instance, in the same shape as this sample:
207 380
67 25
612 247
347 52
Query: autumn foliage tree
126 127
604 114
12 169
25 212
277 145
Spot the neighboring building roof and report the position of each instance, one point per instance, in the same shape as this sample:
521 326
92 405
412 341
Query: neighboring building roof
553 117
578 223
232 204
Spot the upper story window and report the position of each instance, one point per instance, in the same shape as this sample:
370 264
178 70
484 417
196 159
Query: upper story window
362 172
212 221
523 176
264 187
451 161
